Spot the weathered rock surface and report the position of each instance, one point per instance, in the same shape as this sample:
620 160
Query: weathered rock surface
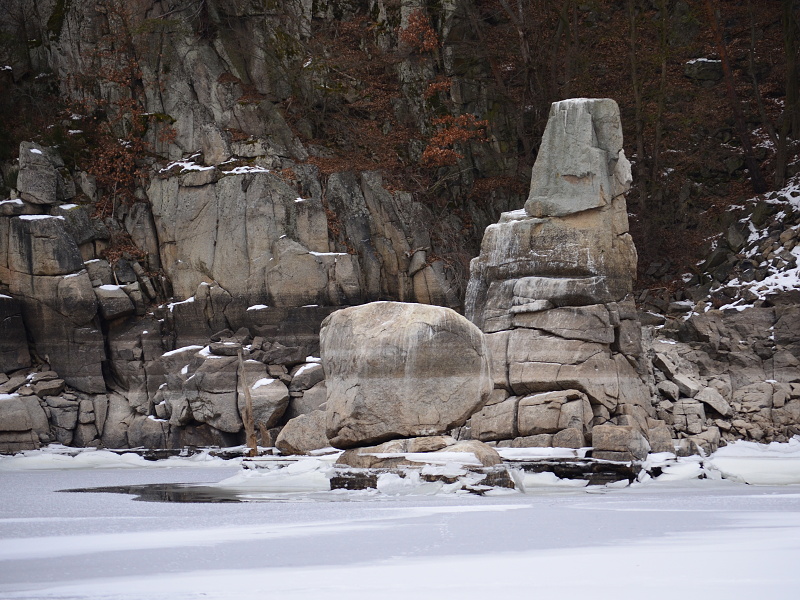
743 369
551 290
269 396
581 164
278 252
400 370
14 353
553 412
312 399
44 272
42 178
113 302
619 442
303 434
496 421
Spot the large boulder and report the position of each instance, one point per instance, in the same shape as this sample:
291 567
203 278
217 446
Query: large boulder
311 400
303 434
619 442
42 177
40 245
269 396
552 412
400 370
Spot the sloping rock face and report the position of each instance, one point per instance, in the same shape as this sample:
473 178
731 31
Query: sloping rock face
400 370
551 288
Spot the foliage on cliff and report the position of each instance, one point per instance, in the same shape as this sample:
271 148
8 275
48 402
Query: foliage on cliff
450 98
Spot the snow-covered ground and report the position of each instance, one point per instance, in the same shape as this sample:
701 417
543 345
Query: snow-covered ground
670 537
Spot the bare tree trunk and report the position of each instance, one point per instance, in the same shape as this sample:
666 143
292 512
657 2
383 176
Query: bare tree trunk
247 417
756 178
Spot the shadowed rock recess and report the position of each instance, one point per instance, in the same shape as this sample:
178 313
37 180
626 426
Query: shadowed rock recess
245 293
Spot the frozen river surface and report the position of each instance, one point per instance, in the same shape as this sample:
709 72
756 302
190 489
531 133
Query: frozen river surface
680 539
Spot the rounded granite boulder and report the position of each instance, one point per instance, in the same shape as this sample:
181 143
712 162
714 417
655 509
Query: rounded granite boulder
397 370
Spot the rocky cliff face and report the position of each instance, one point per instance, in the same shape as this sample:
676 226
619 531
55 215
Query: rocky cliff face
210 218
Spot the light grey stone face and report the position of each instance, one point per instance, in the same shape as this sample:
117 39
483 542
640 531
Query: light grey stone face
551 288
401 370
581 164
40 245
303 434
40 180
269 396
714 399
552 412
619 442
496 422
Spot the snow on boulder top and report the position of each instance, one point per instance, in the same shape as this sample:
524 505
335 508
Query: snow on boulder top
4 296
35 151
257 307
172 305
305 368
702 60
68 206
38 217
262 382
185 165
179 350
61 457
244 170
110 288
206 353
790 449
12 201
758 464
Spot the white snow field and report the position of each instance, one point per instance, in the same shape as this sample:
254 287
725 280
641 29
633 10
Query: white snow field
672 537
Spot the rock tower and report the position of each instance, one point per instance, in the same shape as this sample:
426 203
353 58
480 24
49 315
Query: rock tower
551 289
